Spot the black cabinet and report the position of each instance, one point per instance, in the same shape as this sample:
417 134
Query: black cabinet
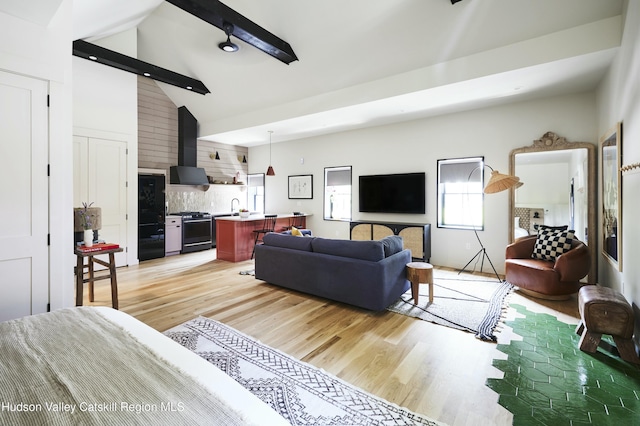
151 216
416 236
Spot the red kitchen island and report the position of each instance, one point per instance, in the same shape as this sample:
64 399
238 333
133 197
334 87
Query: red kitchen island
235 237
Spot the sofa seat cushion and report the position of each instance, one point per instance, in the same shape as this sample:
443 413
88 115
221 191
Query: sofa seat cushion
538 276
287 241
537 264
363 250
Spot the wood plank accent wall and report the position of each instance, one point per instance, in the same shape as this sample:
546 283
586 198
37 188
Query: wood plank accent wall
157 127
158 138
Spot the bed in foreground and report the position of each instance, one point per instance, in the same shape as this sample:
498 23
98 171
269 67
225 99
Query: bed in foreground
95 365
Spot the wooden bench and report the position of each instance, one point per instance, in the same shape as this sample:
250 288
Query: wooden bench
605 311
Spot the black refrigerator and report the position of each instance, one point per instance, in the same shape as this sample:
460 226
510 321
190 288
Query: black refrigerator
151 214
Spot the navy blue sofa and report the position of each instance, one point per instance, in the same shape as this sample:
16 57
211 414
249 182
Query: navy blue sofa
367 274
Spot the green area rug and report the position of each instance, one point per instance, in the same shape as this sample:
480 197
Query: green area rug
549 381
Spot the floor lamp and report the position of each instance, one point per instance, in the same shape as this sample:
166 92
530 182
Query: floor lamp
499 182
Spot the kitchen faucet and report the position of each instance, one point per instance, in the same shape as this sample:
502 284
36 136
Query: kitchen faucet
235 199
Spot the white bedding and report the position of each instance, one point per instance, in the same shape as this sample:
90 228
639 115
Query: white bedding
41 362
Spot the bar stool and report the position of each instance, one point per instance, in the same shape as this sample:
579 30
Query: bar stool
110 265
268 225
297 221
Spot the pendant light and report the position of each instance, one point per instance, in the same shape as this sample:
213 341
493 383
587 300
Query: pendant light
270 171
227 46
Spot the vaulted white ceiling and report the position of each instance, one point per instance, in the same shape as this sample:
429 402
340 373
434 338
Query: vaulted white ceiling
362 62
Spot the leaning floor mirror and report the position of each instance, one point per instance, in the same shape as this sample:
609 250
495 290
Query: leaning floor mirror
559 187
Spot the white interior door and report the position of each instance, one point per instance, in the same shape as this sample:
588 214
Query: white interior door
100 176
80 171
24 214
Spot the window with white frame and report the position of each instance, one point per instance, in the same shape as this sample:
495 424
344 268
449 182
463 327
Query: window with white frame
337 193
255 192
460 194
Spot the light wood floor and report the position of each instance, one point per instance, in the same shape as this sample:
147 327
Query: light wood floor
430 369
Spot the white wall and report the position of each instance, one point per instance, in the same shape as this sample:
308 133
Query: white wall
416 146
619 100
37 51
549 190
543 188
105 105
43 52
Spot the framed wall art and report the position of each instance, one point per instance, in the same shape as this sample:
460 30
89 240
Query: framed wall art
611 145
301 186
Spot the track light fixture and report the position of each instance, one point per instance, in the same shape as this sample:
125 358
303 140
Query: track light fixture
218 14
227 46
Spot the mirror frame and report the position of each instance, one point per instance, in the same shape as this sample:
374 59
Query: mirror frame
611 173
552 142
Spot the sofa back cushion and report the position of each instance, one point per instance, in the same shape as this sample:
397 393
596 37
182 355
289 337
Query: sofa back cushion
364 250
392 244
288 241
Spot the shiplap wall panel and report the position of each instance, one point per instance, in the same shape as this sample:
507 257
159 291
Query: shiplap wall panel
158 138
157 127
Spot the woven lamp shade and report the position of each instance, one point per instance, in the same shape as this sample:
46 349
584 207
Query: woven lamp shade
500 182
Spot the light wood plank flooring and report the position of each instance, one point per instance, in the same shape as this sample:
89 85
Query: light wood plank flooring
430 369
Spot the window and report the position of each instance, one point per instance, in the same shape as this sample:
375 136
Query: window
255 185
460 195
337 193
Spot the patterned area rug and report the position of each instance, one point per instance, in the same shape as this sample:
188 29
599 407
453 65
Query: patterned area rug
301 393
464 302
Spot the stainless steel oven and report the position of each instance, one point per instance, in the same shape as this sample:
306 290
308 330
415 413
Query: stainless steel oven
196 231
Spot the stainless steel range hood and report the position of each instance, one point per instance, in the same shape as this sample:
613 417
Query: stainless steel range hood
187 172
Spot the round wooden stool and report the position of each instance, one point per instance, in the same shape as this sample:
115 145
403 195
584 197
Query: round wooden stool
605 311
420 272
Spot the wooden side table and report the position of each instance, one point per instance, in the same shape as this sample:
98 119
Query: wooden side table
110 265
420 272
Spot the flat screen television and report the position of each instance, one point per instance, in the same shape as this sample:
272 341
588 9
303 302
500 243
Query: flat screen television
395 193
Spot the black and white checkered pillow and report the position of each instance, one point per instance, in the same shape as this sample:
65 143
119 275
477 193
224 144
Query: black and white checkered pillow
551 243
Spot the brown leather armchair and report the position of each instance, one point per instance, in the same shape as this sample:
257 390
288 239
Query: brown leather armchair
542 278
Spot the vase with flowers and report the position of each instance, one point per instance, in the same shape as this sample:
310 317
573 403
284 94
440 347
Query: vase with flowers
87 224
